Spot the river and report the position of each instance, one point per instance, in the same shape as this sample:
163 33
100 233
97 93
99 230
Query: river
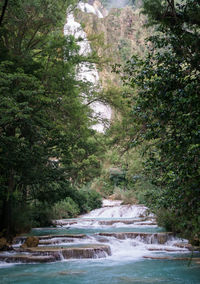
139 251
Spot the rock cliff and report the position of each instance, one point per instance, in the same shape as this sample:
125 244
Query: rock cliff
115 37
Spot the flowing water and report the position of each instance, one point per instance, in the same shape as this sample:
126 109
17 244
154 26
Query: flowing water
140 251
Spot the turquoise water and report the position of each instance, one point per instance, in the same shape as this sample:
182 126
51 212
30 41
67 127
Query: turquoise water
103 271
89 231
125 265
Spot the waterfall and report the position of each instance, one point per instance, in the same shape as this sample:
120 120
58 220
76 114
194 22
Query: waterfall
133 236
88 71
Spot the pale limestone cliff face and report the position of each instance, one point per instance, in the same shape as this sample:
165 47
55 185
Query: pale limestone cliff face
120 35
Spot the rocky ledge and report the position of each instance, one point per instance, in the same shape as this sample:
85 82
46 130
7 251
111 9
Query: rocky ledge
26 258
44 239
196 259
51 254
148 238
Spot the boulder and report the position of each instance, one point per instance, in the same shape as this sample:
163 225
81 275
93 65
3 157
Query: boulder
162 238
195 242
31 242
4 245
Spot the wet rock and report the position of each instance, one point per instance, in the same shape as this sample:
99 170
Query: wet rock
88 251
77 236
187 246
194 248
148 238
64 223
55 241
111 222
165 249
27 258
183 245
49 239
144 224
4 245
195 242
162 238
101 239
31 242
171 258
19 240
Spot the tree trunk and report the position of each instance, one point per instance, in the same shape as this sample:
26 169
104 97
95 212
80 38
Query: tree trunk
6 217
3 11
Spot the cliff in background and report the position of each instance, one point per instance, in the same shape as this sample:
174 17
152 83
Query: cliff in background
115 37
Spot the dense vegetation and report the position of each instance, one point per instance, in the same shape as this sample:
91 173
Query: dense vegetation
166 110
47 145
159 118
49 152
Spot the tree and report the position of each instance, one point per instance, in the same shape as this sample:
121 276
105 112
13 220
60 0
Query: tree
43 120
167 108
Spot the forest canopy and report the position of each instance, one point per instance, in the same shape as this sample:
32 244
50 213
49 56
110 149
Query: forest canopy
47 145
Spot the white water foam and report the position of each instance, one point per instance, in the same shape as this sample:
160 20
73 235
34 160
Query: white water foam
6 264
123 211
87 8
111 203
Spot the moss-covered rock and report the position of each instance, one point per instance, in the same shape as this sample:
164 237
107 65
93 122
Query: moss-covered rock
4 245
31 242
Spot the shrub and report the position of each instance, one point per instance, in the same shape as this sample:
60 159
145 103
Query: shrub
89 200
66 208
41 214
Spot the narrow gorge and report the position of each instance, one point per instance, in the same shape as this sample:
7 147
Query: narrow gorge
99 124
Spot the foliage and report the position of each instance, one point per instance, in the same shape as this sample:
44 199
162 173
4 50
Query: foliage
65 208
127 196
88 199
167 109
46 143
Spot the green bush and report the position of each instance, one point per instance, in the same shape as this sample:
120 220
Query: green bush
41 214
89 199
22 219
66 208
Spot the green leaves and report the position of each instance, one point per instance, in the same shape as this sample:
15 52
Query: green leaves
167 108
46 142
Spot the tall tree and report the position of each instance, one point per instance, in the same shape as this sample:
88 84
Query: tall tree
167 107
43 120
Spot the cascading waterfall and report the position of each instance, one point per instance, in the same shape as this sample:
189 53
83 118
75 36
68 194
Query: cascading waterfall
87 71
92 249
118 225
112 244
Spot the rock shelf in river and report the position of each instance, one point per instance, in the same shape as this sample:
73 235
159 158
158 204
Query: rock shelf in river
141 221
26 258
67 237
87 251
115 241
172 258
148 238
50 254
